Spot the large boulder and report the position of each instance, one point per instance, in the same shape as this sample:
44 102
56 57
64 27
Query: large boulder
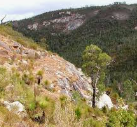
104 101
15 107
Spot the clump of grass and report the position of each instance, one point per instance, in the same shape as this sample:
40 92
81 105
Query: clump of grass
63 100
32 106
4 81
28 78
40 73
46 83
42 102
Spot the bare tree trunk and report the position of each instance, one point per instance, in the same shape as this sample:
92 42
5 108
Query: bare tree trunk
94 97
3 19
94 85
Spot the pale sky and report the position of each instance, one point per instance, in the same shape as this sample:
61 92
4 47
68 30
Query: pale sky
20 9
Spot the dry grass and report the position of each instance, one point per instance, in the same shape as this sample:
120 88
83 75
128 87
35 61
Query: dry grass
26 42
65 117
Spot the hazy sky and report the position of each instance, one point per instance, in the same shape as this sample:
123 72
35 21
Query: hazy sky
19 9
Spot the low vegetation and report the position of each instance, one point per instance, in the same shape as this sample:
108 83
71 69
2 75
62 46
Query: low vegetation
9 32
57 113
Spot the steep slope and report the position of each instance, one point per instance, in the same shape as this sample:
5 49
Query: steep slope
33 81
68 32
63 77
36 87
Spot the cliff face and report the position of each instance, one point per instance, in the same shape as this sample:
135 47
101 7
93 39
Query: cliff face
61 76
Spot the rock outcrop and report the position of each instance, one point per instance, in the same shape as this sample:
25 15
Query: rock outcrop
67 22
62 76
104 101
16 106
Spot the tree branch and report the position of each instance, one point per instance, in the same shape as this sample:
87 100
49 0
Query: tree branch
3 19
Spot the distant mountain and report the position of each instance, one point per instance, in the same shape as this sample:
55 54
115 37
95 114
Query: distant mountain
67 32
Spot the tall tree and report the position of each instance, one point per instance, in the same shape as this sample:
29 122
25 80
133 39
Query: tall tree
128 91
95 63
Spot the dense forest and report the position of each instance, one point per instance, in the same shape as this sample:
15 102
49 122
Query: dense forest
114 34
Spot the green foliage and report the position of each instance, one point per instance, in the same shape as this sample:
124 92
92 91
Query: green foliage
76 96
40 73
78 113
8 31
63 100
4 81
93 123
115 37
121 118
95 63
45 103
32 106
46 83
128 91
42 102
94 60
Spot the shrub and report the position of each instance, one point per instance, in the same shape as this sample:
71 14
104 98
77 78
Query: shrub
78 113
44 102
121 118
46 83
32 106
40 73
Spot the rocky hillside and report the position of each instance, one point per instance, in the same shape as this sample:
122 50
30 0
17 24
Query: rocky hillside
67 32
61 76
38 88
32 79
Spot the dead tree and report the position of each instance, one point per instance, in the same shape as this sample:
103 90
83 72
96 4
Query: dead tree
3 19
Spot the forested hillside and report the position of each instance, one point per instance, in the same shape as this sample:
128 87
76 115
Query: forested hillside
113 28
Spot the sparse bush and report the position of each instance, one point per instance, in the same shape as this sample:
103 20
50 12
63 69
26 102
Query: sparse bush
46 83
